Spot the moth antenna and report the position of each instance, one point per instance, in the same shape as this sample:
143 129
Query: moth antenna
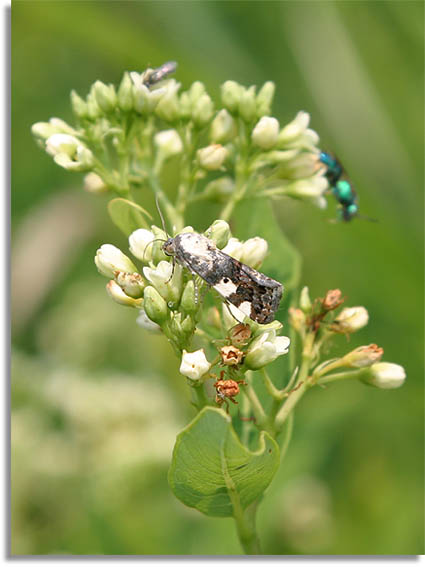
363 217
160 215
150 243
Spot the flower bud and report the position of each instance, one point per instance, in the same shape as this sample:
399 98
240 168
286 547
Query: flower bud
118 295
385 375
219 233
194 364
363 356
125 93
312 187
254 251
231 355
94 184
168 143
69 152
223 127
350 320
296 319
247 104
265 98
294 129
265 132
230 95
332 300
265 348
203 111
168 107
131 283
188 302
105 96
212 157
109 259
62 143
155 307
145 323
305 302
45 130
140 244
185 106
234 248
93 109
79 106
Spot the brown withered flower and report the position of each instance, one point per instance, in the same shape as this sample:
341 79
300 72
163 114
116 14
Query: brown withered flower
231 355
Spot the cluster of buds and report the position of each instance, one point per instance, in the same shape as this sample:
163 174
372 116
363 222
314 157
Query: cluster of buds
316 320
116 119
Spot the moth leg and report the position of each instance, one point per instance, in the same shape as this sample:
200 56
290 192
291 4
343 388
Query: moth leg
172 271
229 306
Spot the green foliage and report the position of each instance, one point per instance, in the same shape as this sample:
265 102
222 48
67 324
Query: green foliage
213 472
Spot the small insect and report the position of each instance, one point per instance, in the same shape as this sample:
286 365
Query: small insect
254 294
160 73
343 190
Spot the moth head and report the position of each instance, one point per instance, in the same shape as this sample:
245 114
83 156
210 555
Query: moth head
168 247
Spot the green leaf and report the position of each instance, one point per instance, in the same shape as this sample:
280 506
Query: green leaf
213 472
128 216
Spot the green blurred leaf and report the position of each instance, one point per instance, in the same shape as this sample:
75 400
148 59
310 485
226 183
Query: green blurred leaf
212 471
127 215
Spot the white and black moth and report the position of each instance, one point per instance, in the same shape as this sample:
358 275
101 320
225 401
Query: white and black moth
253 293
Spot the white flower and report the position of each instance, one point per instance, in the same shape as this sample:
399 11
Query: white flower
350 320
386 375
140 244
69 152
266 348
168 142
118 295
166 279
234 248
44 130
313 187
144 321
266 132
194 364
212 157
109 259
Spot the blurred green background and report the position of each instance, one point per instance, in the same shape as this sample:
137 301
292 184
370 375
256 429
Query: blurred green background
96 401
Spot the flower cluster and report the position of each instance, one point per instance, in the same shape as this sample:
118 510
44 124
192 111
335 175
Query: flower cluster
138 127
168 298
316 324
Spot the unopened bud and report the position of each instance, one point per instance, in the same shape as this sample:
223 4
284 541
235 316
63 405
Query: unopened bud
212 157
203 111
265 132
230 95
385 375
141 243
168 107
305 302
219 233
125 93
145 323
350 320
94 184
109 259
154 305
265 98
196 90
223 127
294 129
168 143
254 252
105 96
297 319
79 106
188 302
247 104
220 188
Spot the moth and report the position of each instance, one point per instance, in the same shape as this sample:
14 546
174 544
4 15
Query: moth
254 294
160 73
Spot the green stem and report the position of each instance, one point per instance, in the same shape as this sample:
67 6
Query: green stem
257 408
246 528
350 375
